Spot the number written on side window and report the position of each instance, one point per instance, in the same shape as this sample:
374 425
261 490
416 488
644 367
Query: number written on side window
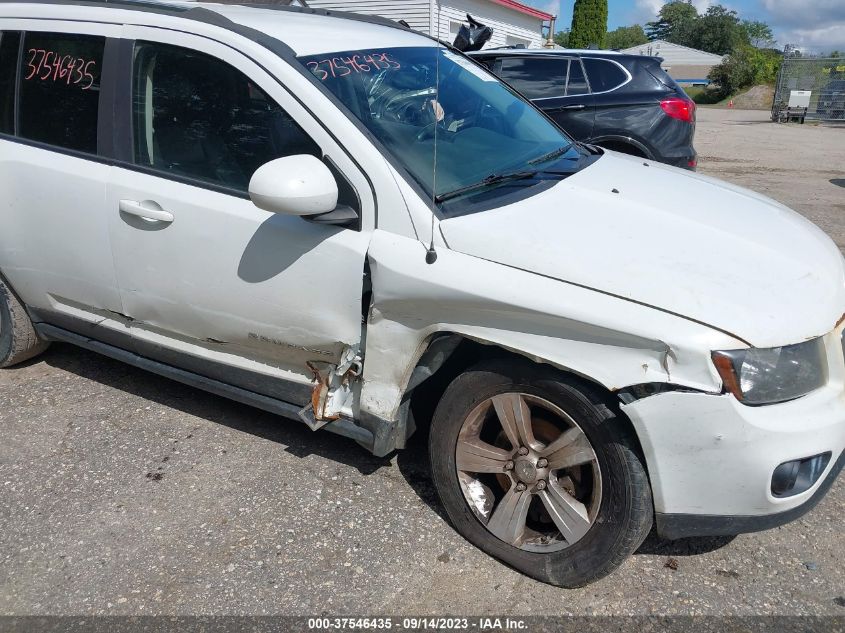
48 65
59 86
352 64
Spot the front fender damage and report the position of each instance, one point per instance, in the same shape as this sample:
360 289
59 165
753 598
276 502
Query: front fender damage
420 311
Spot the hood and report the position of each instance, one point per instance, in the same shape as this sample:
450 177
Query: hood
678 241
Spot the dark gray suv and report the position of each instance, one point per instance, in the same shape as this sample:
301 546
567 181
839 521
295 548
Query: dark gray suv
622 102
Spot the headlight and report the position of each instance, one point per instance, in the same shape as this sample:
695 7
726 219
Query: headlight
768 376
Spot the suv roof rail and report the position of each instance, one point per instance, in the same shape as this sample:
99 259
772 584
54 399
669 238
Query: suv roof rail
184 10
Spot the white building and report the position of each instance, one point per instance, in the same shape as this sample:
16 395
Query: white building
513 23
687 66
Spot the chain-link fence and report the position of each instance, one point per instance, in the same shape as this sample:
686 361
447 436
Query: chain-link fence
817 84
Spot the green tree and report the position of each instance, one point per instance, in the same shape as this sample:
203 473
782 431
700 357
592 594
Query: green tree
759 34
626 37
717 31
562 38
589 24
745 67
674 18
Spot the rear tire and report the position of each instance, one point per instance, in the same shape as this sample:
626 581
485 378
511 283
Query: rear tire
576 547
18 339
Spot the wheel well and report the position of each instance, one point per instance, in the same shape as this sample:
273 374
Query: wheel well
468 353
624 147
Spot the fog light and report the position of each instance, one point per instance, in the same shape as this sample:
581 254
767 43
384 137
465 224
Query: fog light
793 478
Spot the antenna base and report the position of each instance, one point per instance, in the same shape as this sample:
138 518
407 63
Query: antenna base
431 255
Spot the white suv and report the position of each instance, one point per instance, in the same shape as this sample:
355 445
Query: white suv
249 201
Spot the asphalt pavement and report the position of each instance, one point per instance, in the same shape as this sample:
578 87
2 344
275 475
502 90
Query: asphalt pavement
125 493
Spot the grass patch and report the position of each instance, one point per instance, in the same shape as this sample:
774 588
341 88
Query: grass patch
704 96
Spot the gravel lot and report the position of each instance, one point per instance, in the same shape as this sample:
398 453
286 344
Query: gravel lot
125 493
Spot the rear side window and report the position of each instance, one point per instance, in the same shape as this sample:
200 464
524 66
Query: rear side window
60 89
577 83
198 117
9 41
536 78
604 75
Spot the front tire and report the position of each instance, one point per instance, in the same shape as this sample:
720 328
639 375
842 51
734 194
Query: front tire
537 471
18 339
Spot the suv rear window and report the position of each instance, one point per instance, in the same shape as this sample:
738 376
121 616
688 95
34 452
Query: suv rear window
536 78
9 41
60 89
604 75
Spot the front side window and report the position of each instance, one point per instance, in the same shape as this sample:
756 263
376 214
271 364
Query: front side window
60 89
196 116
536 78
604 74
482 128
9 43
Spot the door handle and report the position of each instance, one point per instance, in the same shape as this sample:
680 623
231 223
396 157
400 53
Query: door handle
580 106
147 210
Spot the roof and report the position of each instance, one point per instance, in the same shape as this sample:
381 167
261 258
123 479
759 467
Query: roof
675 53
518 6
303 30
583 52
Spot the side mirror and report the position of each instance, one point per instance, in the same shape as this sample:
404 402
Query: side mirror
294 185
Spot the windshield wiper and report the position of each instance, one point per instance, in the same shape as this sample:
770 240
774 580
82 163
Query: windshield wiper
547 157
494 179
498 179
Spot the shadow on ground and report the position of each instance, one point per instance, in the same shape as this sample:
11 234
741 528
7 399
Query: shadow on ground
297 439
294 435
655 546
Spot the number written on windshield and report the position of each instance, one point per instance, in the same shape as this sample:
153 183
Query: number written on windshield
352 64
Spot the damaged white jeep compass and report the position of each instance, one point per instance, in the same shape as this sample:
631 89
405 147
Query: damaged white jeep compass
342 221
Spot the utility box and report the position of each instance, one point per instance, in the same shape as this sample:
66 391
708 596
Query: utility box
800 98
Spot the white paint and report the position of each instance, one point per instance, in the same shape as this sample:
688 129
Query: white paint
294 185
675 54
509 26
623 288
719 254
712 455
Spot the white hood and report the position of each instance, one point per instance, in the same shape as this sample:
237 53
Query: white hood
678 241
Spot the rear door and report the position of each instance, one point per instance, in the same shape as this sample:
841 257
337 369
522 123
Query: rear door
54 248
210 282
557 85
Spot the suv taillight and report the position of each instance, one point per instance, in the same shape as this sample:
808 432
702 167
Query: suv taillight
678 108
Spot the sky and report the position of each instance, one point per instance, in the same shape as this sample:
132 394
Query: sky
813 25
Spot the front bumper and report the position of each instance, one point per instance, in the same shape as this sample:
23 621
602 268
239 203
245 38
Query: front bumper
675 526
711 459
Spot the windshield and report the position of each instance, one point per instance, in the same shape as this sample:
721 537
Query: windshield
484 130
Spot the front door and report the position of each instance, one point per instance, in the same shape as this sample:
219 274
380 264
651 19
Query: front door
575 112
210 282
557 85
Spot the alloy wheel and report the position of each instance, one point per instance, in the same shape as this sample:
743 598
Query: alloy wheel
528 472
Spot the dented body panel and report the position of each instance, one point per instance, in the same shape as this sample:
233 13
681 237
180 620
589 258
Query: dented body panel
614 342
625 273
675 240
711 455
